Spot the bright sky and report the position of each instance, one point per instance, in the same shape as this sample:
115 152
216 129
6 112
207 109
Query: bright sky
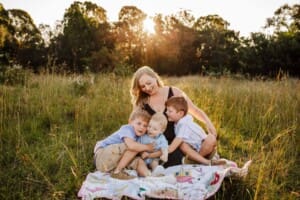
243 15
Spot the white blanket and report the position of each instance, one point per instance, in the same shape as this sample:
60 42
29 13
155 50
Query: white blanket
180 182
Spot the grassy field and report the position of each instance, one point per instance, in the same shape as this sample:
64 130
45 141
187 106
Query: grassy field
49 126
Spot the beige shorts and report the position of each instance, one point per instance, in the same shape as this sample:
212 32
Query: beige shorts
107 158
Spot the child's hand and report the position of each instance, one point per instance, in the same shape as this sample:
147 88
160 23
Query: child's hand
164 158
164 155
151 146
145 155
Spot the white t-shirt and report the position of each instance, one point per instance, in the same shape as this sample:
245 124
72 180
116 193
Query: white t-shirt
190 132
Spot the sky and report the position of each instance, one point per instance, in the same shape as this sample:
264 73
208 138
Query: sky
244 16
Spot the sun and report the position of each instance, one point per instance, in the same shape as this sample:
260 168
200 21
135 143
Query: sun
149 25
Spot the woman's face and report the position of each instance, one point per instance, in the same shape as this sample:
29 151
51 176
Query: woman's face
148 84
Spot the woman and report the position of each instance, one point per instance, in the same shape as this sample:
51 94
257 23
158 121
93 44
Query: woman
149 93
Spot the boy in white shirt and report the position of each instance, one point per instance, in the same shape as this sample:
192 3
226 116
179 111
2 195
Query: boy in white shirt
190 133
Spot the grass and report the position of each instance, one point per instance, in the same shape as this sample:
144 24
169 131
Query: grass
49 126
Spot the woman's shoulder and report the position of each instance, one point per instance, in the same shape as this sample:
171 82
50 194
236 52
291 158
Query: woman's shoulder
176 91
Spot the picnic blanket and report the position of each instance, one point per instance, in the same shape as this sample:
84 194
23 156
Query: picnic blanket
186 181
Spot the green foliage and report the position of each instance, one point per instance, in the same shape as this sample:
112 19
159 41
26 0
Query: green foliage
85 38
123 70
285 19
14 75
85 41
30 52
49 126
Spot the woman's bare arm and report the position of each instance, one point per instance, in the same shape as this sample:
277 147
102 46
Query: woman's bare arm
197 112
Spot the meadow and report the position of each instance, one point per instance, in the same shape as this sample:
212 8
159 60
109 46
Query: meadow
50 124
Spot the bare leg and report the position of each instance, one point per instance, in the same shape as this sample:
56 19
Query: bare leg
192 154
125 160
154 164
208 145
142 168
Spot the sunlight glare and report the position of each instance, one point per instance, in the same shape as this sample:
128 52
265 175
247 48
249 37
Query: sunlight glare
149 26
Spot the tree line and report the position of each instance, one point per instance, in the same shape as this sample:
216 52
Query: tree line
84 40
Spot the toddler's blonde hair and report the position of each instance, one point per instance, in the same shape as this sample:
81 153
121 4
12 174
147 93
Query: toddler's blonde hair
161 119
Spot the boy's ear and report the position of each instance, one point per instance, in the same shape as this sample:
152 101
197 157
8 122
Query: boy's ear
181 112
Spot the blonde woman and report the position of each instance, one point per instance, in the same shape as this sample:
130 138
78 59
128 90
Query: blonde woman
149 93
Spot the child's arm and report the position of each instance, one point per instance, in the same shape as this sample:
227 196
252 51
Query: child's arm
175 144
164 155
138 147
160 143
155 154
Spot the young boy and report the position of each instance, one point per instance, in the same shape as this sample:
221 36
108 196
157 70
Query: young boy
109 151
156 127
188 132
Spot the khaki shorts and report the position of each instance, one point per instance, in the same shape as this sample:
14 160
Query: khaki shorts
107 158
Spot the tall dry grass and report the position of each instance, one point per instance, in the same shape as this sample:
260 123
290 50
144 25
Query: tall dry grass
49 126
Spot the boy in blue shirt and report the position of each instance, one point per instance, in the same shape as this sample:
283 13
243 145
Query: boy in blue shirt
156 127
108 152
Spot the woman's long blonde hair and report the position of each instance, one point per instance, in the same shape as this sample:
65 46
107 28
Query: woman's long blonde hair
137 96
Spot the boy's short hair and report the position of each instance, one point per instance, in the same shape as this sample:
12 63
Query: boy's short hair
161 119
139 113
179 103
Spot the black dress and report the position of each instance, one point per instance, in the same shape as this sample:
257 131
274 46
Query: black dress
175 157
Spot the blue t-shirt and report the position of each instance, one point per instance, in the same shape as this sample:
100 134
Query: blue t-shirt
117 137
160 143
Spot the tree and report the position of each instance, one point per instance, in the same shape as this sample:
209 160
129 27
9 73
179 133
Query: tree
130 35
85 31
285 19
180 38
254 54
30 51
285 42
7 40
285 54
216 44
171 50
